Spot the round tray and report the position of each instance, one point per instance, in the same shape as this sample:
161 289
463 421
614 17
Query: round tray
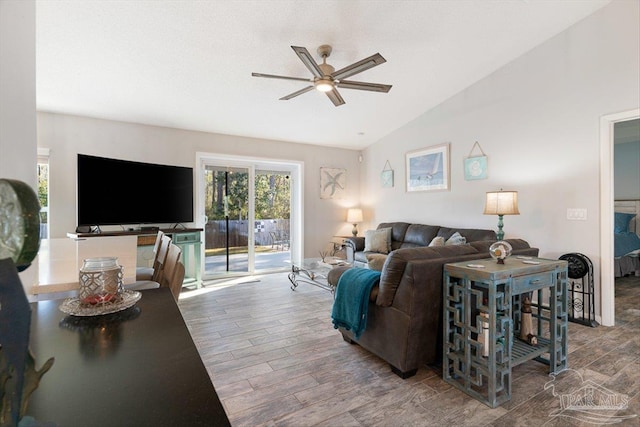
74 307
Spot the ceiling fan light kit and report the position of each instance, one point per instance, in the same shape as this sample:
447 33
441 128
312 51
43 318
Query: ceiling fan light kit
323 85
326 79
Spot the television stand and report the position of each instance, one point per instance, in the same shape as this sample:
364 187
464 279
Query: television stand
188 239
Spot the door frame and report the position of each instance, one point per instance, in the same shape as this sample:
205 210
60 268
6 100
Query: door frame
296 224
607 194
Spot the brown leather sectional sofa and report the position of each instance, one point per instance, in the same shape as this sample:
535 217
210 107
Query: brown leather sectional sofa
404 325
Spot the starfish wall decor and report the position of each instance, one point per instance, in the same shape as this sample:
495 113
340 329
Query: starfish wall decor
332 183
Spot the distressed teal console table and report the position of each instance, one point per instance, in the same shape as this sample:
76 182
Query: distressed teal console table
482 292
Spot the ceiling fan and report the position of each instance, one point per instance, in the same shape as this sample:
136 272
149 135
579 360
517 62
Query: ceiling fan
326 79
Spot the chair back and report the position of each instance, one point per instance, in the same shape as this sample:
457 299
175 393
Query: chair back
161 257
156 246
169 267
176 281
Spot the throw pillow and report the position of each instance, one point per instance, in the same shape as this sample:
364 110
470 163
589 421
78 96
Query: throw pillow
376 261
455 239
621 222
437 241
377 240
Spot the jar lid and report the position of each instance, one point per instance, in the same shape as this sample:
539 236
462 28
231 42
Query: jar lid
100 264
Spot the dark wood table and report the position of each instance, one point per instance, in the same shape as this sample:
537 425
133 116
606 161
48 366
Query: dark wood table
138 367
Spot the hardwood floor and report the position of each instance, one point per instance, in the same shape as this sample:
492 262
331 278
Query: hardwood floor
275 360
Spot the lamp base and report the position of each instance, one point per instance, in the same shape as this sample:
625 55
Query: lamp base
354 231
500 233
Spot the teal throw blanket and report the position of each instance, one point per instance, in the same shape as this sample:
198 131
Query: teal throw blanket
352 299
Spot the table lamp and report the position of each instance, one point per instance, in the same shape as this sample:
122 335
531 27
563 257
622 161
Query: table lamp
354 216
501 203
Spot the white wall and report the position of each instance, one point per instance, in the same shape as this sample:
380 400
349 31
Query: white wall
67 135
537 119
18 90
18 151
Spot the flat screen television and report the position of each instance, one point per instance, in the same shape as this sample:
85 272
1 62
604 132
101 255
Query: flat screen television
116 192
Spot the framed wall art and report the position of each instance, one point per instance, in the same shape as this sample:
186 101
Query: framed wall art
386 176
428 169
475 166
333 182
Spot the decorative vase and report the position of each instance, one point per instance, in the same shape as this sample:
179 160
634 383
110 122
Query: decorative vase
500 250
19 222
100 280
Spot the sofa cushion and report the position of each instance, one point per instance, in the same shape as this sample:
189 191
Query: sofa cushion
378 240
419 235
398 230
471 234
361 257
437 241
376 261
455 239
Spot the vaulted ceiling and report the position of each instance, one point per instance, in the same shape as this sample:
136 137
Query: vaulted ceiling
187 64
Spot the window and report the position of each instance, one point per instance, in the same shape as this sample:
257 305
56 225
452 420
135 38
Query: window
43 191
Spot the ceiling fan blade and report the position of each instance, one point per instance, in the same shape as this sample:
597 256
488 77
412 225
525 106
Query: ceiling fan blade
335 97
374 87
359 66
296 93
273 76
308 60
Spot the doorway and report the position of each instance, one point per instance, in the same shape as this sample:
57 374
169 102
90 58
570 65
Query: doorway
607 276
251 213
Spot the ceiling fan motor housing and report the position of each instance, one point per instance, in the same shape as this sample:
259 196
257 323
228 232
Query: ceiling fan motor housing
326 69
326 82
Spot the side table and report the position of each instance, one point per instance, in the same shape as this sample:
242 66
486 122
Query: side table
339 244
483 293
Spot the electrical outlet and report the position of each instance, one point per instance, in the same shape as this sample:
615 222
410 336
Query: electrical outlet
576 214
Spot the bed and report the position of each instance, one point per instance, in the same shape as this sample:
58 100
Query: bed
627 238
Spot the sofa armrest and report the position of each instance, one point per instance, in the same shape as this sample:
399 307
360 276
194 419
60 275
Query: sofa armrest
353 245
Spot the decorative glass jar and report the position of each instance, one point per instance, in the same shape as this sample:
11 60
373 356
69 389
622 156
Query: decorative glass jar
100 280
500 250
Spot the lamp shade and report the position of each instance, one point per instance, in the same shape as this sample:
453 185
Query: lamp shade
354 215
501 203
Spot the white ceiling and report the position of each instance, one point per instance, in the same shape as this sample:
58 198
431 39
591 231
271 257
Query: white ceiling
187 64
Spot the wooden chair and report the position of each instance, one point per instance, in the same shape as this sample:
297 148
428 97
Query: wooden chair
147 273
168 273
169 266
173 271
176 282
163 253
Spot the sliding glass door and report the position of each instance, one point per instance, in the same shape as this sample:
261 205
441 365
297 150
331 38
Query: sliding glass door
272 220
227 226
247 206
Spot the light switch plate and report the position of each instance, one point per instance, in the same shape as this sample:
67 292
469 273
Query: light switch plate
576 214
